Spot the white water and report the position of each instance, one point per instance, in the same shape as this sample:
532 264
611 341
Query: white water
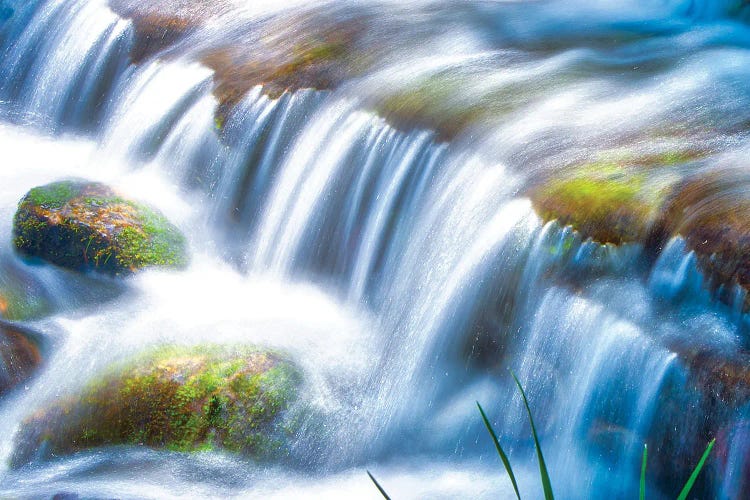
404 275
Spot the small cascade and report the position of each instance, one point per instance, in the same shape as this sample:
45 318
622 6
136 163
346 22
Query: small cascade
151 103
63 66
344 159
260 133
592 364
677 277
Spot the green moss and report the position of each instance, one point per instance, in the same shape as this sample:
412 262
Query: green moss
82 225
670 158
182 399
159 244
622 158
593 194
219 121
53 195
603 201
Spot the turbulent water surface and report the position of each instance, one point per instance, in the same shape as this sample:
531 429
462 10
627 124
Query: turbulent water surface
391 252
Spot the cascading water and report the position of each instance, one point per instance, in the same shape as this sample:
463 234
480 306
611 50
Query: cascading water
401 266
74 88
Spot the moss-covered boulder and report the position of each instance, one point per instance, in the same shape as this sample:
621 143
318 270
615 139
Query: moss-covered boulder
20 356
88 226
177 398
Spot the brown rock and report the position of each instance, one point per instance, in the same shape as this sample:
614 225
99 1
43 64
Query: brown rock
712 212
19 356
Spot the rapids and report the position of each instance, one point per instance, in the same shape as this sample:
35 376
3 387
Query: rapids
401 266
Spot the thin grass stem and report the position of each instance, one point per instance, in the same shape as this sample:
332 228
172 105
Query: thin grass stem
546 483
500 451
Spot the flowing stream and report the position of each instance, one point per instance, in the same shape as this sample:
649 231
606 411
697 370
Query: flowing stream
403 270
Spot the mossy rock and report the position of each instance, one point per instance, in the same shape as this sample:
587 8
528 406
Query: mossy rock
304 49
434 103
309 48
87 226
615 200
603 205
20 356
154 33
177 398
448 101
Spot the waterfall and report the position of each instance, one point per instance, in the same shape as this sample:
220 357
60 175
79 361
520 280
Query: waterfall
62 65
402 266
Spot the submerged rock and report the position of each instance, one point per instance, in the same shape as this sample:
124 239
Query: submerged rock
436 102
450 100
723 376
159 24
19 356
176 398
6 12
309 50
301 49
22 296
88 226
712 213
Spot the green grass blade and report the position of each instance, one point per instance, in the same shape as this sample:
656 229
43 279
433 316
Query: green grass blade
694 475
546 483
377 485
643 472
500 451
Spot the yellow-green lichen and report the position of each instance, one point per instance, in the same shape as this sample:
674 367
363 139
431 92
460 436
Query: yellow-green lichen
604 201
